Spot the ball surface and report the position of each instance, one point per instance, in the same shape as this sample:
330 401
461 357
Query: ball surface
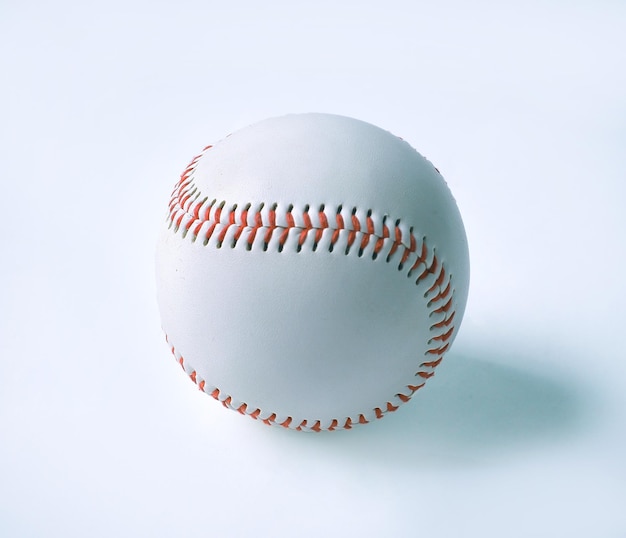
312 271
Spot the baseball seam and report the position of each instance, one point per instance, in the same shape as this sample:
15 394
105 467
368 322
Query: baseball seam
219 224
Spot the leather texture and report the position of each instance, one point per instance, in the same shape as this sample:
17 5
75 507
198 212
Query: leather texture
316 326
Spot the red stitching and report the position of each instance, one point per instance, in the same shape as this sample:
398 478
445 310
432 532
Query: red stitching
443 323
431 364
381 240
437 283
391 408
439 350
258 223
445 308
255 413
340 226
185 203
308 225
444 336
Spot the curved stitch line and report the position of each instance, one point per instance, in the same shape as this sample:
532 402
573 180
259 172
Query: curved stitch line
244 409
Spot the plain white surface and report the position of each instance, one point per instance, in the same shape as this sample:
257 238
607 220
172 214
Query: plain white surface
521 106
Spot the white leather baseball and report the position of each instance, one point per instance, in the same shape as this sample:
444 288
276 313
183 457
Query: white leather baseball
312 271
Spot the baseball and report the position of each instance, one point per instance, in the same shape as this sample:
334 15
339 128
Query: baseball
312 271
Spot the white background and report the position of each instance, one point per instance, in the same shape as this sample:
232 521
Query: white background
520 105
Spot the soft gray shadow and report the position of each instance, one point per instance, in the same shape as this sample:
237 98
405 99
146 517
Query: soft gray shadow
473 411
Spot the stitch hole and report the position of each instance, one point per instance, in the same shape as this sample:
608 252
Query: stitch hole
306 208
322 206
374 255
354 211
299 248
360 252
339 209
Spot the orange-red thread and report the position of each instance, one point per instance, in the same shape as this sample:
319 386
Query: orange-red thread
431 364
391 408
270 420
317 426
446 322
443 337
439 350
272 225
